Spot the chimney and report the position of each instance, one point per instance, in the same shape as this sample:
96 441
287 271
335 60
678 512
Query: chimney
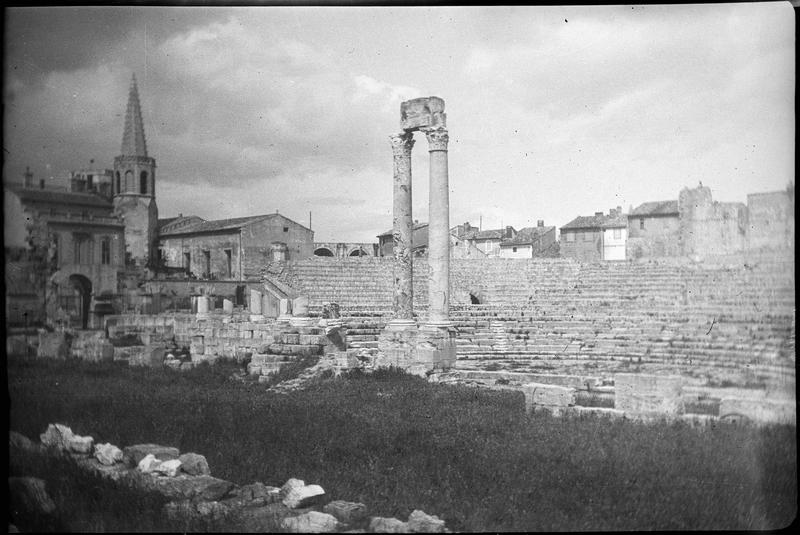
540 223
509 231
612 212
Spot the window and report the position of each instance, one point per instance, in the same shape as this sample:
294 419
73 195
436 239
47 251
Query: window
641 224
118 188
207 263
570 236
286 229
143 183
228 255
514 249
617 233
105 251
89 182
587 236
187 261
129 180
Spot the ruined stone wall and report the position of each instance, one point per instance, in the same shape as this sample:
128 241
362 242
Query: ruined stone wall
257 239
175 247
770 224
586 247
709 227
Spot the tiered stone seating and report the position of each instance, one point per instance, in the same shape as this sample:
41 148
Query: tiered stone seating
555 313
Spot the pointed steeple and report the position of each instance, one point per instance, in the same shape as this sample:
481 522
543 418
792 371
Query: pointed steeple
133 142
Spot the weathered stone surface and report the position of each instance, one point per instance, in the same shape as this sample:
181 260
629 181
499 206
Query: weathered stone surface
175 364
20 442
183 487
759 410
387 525
133 454
57 436
538 394
420 522
266 518
194 464
303 496
108 454
53 345
257 492
29 494
310 522
346 512
78 444
639 393
114 472
148 464
169 468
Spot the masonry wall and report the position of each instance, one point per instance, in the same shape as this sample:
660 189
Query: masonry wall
770 224
257 239
140 216
587 245
216 244
660 236
709 227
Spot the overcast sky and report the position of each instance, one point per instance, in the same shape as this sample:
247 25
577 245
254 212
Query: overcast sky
553 112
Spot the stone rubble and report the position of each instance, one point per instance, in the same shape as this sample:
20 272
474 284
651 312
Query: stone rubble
254 507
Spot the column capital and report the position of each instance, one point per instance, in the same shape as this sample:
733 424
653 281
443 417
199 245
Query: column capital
402 143
437 139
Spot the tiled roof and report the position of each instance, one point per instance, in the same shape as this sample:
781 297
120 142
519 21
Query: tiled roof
218 225
597 222
416 226
655 208
489 234
527 235
60 197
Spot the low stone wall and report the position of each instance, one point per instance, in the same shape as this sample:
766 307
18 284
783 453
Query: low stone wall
195 494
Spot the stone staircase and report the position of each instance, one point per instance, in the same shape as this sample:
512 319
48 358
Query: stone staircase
555 314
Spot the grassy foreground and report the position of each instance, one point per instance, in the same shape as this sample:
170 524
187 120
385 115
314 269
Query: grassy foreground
396 443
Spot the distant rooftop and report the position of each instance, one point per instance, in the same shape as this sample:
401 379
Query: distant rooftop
655 208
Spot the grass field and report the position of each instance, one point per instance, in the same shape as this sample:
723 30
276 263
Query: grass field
396 443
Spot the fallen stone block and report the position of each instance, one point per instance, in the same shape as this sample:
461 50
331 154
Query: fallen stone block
257 492
304 496
346 512
310 522
57 436
169 468
194 464
29 495
266 518
148 464
550 396
420 522
387 525
133 454
78 444
642 394
183 487
108 454
20 442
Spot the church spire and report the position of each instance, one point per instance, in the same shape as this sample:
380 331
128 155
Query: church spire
133 142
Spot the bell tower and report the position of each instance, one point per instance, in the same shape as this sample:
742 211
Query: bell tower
134 186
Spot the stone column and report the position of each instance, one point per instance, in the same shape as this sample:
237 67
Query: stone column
438 230
255 306
402 222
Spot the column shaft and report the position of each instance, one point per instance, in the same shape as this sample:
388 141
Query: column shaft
402 224
438 230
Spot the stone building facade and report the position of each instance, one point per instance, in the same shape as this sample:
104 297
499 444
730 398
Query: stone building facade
231 249
531 242
654 230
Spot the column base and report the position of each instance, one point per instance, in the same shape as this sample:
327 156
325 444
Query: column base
418 351
256 317
401 324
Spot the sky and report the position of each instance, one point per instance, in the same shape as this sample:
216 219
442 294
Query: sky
553 112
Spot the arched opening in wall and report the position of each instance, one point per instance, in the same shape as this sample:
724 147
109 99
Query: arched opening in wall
75 298
128 180
143 183
358 252
474 299
117 189
323 251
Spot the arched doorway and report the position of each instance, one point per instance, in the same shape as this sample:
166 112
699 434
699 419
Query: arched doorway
76 300
323 251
